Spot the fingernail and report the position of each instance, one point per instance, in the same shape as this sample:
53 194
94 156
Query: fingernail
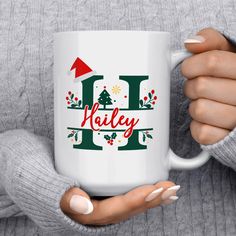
153 194
170 200
195 39
170 192
81 205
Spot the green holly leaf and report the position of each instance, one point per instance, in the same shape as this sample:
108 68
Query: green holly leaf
144 137
149 136
70 135
150 95
141 102
148 106
73 105
79 103
71 96
76 136
113 136
107 137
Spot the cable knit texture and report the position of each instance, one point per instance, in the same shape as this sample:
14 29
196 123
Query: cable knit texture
30 189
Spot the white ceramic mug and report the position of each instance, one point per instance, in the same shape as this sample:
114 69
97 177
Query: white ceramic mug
112 107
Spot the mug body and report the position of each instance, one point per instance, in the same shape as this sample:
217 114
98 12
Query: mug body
111 108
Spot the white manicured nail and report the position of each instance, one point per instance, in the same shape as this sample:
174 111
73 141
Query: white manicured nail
195 39
170 192
153 194
81 205
174 198
170 200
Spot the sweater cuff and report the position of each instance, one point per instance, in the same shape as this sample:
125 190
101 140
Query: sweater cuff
224 150
28 175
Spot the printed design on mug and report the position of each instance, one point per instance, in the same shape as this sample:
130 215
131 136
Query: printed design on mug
112 112
72 101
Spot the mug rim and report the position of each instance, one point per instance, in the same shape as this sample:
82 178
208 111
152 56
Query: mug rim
113 31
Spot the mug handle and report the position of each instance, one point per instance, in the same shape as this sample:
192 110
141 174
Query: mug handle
176 162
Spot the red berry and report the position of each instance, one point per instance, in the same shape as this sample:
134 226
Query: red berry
153 91
145 98
76 99
111 143
68 103
69 92
155 98
67 98
108 141
153 103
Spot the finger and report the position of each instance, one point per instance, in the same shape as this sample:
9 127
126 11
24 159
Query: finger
111 209
76 201
150 198
116 208
206 40
213 113
156 201
206 134
218 89
213 63
121 207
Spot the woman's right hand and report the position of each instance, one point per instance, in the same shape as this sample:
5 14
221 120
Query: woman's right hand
78 206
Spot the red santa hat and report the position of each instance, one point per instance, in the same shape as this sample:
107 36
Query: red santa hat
82 70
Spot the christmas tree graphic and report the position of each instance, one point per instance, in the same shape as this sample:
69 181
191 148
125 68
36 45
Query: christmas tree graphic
104 98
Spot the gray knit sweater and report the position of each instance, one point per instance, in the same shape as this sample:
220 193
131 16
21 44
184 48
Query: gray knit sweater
30 189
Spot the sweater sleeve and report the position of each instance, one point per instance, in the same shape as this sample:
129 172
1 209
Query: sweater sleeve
28 177
225 150
7 207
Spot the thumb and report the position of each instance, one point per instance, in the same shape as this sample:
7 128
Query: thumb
76 201
206 40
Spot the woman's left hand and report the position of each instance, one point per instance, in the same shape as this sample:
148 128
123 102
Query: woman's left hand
211 85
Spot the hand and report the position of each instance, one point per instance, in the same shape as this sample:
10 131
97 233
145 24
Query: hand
211 85
77 205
